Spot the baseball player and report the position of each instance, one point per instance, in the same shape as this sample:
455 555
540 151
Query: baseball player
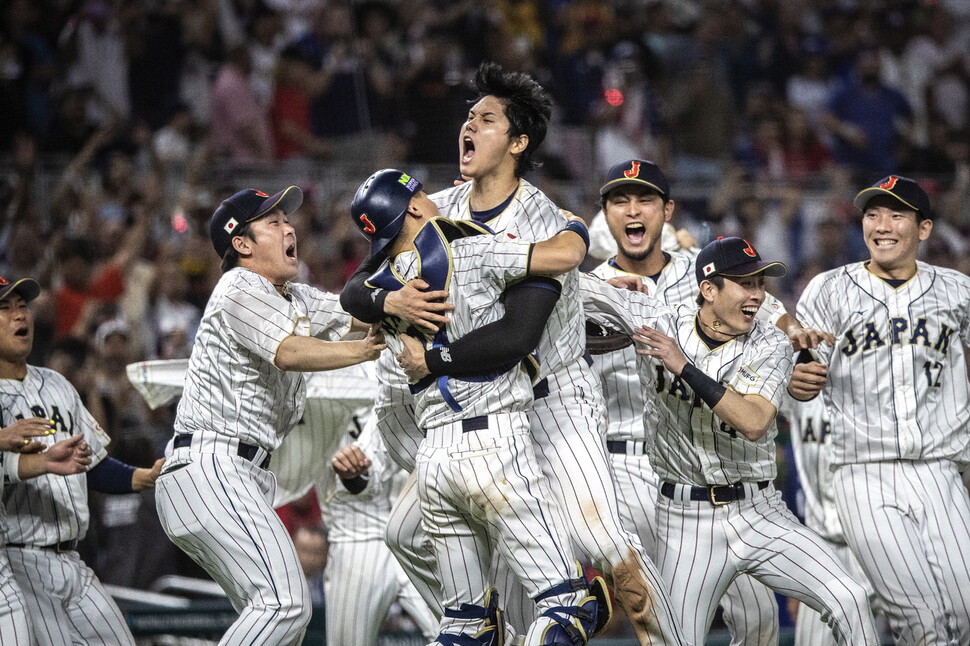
363 578
637 209
897 396
478 481
47 515
716 376
244 391
497 142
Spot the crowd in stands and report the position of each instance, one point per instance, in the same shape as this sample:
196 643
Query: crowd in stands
123 123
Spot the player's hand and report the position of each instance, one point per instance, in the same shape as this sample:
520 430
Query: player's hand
808 338
461 180
373 344
350 462
18 437
633 283
807 380
424 309
569 215
657 344
67 457
144 478
411 359
685 239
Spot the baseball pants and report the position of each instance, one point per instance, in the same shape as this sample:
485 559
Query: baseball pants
908 523
702 548
15 629
218 510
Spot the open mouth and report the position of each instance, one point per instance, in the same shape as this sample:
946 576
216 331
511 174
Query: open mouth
635 232
467 149
291 251
22 331
749 311
884 242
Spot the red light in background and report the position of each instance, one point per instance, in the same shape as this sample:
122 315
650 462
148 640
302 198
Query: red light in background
614 97
179 223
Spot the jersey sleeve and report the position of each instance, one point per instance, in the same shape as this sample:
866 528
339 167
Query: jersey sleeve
771 310
767 370
620 309
814 310
259 320
328 320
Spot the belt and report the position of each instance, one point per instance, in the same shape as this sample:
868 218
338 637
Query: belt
246 451
623 447
60 548
479 423
714 494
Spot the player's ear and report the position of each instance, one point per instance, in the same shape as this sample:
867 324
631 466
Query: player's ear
925 228
519 144
242 245
669 210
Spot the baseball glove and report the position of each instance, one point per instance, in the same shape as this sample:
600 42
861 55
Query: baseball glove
603 340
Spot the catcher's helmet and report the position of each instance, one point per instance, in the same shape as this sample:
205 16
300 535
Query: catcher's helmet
379 205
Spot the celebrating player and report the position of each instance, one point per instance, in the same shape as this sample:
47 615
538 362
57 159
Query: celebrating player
897 396
244 391
47 515
497 143
716 376
478 449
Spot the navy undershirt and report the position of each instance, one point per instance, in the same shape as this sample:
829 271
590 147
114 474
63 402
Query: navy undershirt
708 340
655 277
489 214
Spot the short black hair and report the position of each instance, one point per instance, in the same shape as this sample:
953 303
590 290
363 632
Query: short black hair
231 259
528 107
718 282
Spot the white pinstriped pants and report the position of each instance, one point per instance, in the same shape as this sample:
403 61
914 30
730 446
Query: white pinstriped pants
702 548
908 523
219 510
15 629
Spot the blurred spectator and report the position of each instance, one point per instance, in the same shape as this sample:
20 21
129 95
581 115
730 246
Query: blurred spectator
805 155
265 41
296 84
812 86
70 127
240 127
95 43
303 512
173 319
866 117
313 549
762 154
172 143
26 70
156 54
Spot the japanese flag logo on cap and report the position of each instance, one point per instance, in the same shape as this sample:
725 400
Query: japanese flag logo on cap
709 269
231 225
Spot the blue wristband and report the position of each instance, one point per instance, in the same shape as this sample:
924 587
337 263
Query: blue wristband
580 229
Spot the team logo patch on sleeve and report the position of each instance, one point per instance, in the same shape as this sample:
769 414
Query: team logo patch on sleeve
748 375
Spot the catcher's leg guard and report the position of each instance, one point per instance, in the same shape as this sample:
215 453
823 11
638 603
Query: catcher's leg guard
575 625
492 632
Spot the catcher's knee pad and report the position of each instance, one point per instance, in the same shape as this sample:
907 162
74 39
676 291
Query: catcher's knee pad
575 625
492 632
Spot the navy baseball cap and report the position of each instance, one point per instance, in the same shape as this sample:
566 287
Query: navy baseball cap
903 189
734 258
28 288
245 206
636 171
380 203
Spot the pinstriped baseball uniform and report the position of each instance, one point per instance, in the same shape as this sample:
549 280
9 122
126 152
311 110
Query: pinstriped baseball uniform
567 427
756 534
810 433
897 395
750 609
65 600
476 472
362 578
214 499
15 628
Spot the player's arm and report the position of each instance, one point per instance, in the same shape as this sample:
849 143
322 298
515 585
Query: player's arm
562 252
114 476
310 354
411 303
19 436
64 458
352 466
750 415
528 305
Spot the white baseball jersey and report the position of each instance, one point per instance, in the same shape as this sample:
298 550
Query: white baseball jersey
693 447
750 609
897 394
214 499
897 384
232 386
15 627
65 600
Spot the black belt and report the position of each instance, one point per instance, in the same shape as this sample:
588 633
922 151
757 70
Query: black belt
60 548
479 423
247 451
619 447
714 494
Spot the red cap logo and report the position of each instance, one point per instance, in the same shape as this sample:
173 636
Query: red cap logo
260 193
749 250
3 281
634 170
889 183
369 227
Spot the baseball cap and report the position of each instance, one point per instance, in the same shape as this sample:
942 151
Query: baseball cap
734 258
379 205
28 288
903 189
109 327
636 171
245 206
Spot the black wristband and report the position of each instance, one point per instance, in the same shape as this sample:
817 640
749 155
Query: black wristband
437 364
355 485
706 388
